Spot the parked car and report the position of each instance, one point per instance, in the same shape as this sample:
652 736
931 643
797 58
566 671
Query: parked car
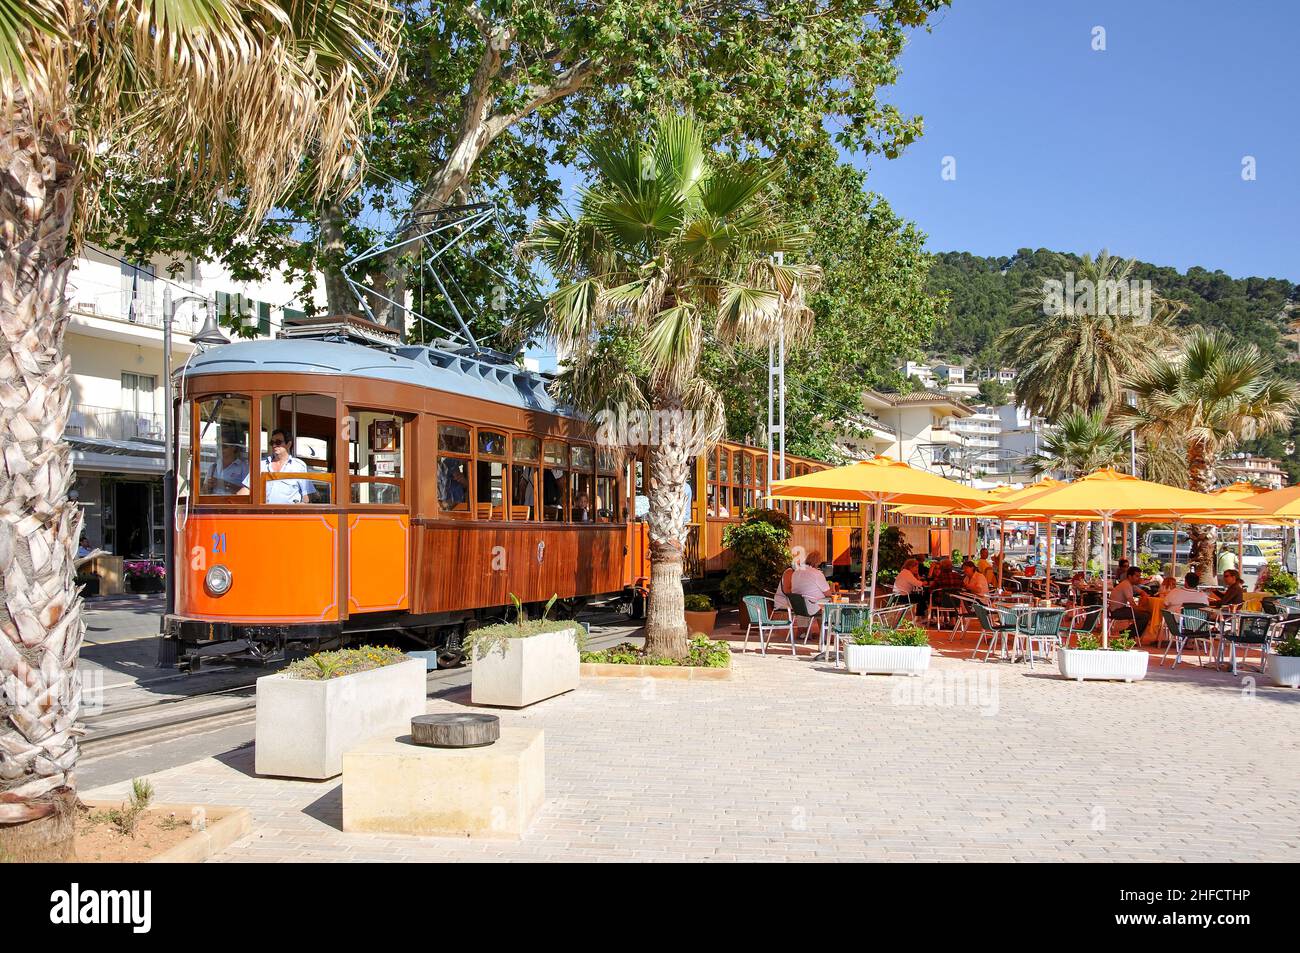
1253 558
1160 543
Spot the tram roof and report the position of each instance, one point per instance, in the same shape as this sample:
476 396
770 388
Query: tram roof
448 369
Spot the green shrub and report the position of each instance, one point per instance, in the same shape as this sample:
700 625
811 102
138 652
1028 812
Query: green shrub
1118 643
1289 648
760 547
703 654
1279 582
327 665
907 634
698 602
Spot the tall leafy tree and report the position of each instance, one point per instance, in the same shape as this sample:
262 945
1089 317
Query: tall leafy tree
1079 444
205 93
496 98
873 309
1208 398
670 244
1074 351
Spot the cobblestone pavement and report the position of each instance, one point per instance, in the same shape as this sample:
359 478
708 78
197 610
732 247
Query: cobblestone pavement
793 760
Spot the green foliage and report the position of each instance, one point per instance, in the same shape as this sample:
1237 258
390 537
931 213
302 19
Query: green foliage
1091 642
126 819
994 393
1148 563
327 665
1290 647
873 289
760 546
479 642
872 633
703 654
1279 581
698 602
894 548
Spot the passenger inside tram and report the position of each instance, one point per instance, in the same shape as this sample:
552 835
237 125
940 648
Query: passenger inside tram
229 475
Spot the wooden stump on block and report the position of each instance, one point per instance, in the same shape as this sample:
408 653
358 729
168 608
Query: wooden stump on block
455 731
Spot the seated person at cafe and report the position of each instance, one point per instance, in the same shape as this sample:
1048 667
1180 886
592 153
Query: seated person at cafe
1187 594
808 581
975 582
1121 570
1167 585
909 585
1128 603
984 564
1233 595
944 581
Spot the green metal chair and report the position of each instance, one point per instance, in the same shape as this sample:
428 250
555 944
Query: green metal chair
1192 625
757 608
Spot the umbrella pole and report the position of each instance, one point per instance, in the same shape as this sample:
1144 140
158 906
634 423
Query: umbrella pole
1002 549
875 559
1241 546
1047 570
1295 525
1105 587
863 508
1173 552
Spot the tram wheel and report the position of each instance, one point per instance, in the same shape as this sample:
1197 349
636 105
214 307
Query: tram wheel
636 606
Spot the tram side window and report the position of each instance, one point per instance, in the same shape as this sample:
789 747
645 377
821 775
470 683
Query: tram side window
224 424
554 485
298 437
526 453
453 468
375 458
490 481
583 462
608 501
713 483
184 450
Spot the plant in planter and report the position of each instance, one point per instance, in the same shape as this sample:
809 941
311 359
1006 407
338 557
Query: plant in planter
1276 581
876 650
522 662
701 614
320 706
704 653
144 576
1284 663
1122 661
760 547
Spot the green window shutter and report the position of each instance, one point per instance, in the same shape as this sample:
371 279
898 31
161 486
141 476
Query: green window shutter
291 314
223 308
263 318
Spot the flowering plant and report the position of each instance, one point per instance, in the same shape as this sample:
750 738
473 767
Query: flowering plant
143 569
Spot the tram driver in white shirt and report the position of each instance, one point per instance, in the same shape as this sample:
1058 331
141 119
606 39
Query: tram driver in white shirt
282 460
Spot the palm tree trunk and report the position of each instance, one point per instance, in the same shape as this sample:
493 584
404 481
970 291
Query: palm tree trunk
665 620
1082 532
1203 537
40 608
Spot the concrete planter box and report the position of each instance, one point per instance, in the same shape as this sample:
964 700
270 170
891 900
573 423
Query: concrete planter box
304 726
1102 664
887 659
1285 670
224 826
527 670
701 622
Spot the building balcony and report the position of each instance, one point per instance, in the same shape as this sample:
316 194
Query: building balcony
105 423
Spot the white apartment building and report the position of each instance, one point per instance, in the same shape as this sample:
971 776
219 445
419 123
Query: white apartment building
1248 468
982 432
115 341
920 431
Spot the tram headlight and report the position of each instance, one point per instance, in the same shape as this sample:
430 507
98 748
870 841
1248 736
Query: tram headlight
218 580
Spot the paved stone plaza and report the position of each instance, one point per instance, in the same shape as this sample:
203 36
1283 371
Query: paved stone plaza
793 760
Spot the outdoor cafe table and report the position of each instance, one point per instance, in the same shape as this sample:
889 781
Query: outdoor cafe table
1024 620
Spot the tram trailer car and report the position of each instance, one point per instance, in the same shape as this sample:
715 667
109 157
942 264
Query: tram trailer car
340 487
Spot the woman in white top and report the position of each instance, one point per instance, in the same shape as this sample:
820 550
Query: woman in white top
807 580
908 583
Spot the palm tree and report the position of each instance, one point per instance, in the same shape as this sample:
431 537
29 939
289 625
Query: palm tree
1079 444
668 246
1078 348
1206 399
215 95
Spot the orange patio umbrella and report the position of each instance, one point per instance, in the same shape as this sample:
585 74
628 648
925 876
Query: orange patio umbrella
1112 495
878 481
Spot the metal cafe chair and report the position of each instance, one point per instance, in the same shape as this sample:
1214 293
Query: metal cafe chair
1249 630
1191 626
757 609
994 625
1041 627
844 619
801 610
1085 620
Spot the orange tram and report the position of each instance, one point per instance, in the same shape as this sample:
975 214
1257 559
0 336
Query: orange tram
337 486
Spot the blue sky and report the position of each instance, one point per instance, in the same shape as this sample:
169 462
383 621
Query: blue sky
1137 148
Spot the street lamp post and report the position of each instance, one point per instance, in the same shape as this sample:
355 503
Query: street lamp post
170 305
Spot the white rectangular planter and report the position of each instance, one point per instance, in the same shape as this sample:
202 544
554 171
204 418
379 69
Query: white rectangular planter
526 670
305 725
887 659
1102 664
1285 670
